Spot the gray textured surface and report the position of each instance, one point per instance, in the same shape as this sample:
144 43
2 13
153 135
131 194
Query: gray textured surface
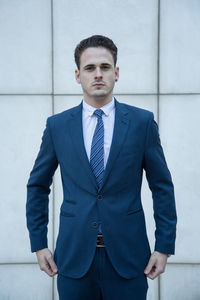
29 31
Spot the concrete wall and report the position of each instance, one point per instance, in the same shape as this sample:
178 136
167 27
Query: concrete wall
159 46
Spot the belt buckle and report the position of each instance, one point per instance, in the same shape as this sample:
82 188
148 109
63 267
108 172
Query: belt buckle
100 242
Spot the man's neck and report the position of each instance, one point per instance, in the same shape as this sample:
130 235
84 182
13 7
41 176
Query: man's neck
97 102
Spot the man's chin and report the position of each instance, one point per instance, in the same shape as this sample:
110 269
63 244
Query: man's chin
100 95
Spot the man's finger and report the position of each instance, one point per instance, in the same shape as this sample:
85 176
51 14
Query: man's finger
52 264
46 262
45 266
149 266
153 273
156 265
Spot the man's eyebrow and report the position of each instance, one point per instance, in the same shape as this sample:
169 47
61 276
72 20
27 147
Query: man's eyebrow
90 65
105 64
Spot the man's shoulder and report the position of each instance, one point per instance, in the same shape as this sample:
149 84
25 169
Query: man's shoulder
136 111
64 115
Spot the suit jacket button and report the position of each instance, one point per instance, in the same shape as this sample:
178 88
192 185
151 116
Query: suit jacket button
99 197
95 224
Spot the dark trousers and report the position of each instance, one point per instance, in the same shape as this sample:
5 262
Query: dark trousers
102 282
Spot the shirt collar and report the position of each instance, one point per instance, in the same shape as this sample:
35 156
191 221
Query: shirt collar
89 109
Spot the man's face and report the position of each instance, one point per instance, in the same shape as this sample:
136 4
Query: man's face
97 74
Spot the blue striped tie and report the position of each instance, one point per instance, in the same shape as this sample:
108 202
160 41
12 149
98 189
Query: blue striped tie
97 151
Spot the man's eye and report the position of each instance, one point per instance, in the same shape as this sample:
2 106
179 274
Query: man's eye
105 67
89 68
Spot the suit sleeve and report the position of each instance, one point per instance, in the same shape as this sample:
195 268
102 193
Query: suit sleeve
160 183
38 189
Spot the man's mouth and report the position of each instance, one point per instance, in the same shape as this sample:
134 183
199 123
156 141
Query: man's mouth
98 84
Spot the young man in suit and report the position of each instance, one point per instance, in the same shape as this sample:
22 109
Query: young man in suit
102 147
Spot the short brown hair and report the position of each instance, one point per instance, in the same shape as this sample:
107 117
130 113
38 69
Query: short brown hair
95 41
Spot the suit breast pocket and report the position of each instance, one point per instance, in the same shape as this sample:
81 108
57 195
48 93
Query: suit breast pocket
128 151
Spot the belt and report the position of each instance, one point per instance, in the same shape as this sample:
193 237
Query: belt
100 241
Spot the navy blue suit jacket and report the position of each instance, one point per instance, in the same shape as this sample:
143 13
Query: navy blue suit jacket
135 147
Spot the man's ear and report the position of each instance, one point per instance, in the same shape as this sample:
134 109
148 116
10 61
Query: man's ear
116 73
77 76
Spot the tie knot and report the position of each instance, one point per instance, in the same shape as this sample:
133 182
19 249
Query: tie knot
98 113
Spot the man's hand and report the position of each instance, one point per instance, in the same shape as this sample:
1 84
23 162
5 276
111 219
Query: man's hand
156 265
46 262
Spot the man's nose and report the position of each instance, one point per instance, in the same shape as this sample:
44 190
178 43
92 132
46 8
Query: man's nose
98 73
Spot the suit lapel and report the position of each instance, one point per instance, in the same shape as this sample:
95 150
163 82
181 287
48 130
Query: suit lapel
119 133
76 132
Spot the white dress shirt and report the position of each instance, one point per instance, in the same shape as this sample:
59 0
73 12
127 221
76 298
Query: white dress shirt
89 124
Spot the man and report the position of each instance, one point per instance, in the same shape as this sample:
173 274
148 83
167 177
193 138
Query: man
102 147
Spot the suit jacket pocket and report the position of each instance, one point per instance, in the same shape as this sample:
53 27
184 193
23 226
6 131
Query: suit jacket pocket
66 214
133 211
